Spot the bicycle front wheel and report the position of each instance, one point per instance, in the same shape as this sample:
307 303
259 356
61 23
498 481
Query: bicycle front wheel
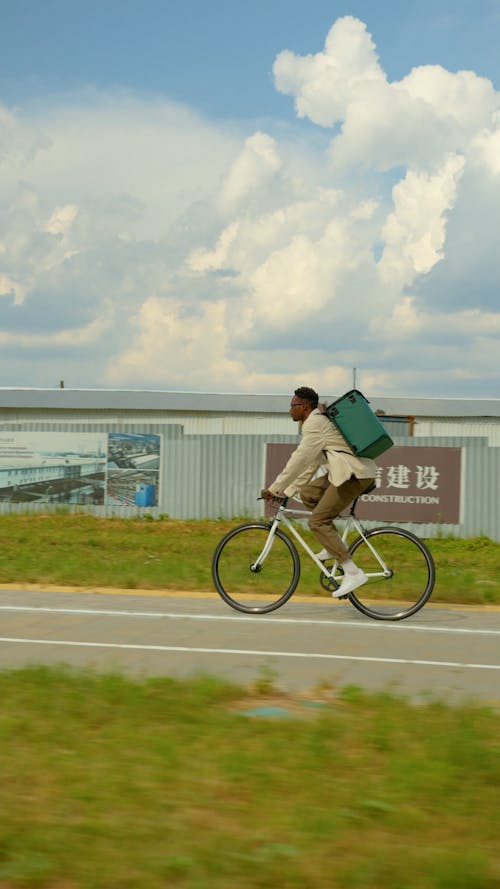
245 579
402 584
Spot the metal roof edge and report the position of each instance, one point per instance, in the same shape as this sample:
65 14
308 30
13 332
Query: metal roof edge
211 402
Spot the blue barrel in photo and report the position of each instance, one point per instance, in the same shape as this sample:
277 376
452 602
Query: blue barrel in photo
145 495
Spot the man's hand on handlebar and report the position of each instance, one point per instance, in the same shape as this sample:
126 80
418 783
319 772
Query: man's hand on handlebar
266 494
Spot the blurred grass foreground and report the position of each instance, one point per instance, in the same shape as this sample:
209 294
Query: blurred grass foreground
112 782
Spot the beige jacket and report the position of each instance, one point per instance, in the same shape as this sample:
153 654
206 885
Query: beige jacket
321 445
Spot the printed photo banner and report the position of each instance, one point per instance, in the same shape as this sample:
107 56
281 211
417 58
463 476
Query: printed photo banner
108 468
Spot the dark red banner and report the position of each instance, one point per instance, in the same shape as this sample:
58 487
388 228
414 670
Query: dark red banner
413 484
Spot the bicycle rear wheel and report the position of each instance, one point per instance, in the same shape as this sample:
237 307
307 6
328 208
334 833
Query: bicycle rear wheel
409 579
249 585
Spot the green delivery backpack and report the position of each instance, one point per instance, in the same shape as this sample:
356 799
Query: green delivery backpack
360 426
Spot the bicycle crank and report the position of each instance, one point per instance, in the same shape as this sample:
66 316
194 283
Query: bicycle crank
328 583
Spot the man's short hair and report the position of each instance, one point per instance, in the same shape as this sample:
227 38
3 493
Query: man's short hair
307 394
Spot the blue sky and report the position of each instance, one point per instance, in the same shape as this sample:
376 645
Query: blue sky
218 56
249 197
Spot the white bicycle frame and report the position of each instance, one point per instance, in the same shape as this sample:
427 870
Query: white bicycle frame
352 522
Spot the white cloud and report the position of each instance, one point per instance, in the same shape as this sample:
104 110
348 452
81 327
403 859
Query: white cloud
142 245
168 343
61 219
202 260
463 96
113 145
253 169
408 321
417 120
325 83
72 337
414 233
20 141
199 348
486 149
303 276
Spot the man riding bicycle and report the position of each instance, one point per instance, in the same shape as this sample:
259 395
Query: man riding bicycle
346 477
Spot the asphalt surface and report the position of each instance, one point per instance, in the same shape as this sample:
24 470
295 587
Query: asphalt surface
451 654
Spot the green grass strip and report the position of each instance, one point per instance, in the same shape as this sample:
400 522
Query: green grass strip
82 550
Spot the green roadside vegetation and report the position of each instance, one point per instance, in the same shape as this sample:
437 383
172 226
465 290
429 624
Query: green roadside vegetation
113 782
110 782
81 550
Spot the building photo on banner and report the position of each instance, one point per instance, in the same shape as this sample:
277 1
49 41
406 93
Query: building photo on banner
79 468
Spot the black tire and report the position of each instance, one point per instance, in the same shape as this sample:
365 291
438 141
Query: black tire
411 580
247 590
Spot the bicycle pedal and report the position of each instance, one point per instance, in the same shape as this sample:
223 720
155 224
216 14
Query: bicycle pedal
328 583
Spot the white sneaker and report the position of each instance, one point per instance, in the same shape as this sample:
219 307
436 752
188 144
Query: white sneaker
324 555
349 583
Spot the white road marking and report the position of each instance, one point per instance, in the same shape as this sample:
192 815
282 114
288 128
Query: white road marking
158 615
252 652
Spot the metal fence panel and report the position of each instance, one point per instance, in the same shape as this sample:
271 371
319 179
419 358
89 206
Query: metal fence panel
214 476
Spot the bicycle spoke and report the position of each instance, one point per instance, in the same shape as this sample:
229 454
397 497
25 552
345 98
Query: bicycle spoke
249 583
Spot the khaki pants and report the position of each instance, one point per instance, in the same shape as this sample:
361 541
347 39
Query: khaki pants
326 502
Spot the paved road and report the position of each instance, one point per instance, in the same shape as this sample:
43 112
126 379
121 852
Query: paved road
449 653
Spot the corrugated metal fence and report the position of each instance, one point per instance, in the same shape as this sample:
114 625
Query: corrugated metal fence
216 476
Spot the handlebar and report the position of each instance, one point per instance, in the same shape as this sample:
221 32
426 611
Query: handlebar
275 499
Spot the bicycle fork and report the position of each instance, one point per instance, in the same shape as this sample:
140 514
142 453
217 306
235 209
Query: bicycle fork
257 565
